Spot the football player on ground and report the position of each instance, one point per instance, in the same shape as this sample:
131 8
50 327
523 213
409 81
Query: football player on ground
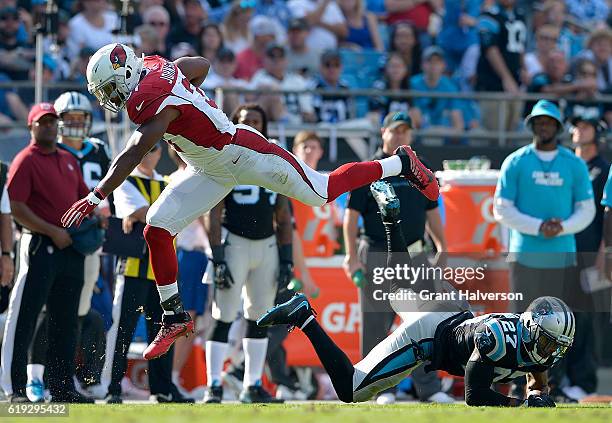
485 349
164 99
256 250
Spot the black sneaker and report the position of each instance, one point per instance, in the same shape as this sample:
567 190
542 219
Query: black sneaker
214 395
293 313
172 397
113 399
256 394
560 397
388 203
18 399
72 397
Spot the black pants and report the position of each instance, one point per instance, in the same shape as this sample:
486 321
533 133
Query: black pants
46 276
377 317
133 296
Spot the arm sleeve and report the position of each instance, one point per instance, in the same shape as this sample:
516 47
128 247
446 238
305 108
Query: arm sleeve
488 29
128 199
506 213
5 203
478 379
584 212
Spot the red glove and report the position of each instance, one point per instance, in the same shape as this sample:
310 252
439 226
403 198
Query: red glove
79 210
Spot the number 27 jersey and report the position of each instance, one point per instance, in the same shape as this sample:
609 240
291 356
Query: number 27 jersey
200 126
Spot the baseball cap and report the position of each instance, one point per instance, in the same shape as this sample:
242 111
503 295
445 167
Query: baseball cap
432 51
329 55
225 55
262 25
9 11
298 23
395 119
39 110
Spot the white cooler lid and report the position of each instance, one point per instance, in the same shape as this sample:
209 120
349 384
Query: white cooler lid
468 177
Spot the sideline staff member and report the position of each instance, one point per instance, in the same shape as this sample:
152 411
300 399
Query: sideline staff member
416 213
43 182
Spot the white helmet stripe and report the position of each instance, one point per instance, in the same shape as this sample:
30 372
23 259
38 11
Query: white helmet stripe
568 319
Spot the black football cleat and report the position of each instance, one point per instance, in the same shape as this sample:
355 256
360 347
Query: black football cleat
293 312
213 395
388 203
256 394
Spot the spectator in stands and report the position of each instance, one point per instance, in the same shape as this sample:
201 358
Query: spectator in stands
599 50
326 21
237 29
291 107
572 36
159 18
554 79
300 58
149 40
188 30
52 272
418 12
330 108
503 36
78 68
591 13
276 9
547 37
210 41
363 32
16 55
459 36
222 75
403 41
436 112
92 26
182 50
11 105
395 78
251 59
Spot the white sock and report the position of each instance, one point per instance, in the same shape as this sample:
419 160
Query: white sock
175 377
254 359
35 371
310 318
167 291
391 166
215 357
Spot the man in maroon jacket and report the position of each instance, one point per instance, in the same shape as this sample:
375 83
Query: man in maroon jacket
43 181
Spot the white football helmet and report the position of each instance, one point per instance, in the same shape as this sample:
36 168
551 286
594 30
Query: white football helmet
549 327
73 101
112 74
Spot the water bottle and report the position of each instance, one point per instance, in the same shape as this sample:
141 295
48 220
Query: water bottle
359 278
295 285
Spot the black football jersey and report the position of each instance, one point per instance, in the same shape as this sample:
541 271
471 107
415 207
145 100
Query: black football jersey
497 338
506 30
249 212
94 159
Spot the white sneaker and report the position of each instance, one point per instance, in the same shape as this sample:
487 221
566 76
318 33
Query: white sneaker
35 391
284 393
131 391
575 392
441 398
97 391
386 398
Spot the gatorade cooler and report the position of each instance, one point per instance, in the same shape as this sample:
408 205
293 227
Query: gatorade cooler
469 224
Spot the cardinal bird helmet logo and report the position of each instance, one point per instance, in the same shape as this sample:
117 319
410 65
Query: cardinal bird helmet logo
118 57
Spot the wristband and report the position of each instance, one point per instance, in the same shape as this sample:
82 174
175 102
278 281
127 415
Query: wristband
285 253
99 193
8 254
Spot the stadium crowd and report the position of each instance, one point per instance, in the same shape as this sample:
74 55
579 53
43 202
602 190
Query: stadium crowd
554 47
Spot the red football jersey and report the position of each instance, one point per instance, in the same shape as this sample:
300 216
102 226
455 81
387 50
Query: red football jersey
201 123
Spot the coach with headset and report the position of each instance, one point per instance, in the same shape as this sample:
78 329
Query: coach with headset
544 195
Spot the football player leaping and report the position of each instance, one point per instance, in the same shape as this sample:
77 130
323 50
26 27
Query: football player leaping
164 98
485 349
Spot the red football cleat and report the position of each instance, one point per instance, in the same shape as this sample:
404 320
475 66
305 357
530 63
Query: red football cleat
168 333
417 173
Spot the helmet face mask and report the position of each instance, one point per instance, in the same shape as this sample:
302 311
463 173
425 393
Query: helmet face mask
549 325
108 95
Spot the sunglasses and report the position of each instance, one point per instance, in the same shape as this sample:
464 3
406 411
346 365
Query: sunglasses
548 38
332 64
157 23
9 18
248 4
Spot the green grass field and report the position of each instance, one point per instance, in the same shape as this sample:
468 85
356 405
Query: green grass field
326 412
